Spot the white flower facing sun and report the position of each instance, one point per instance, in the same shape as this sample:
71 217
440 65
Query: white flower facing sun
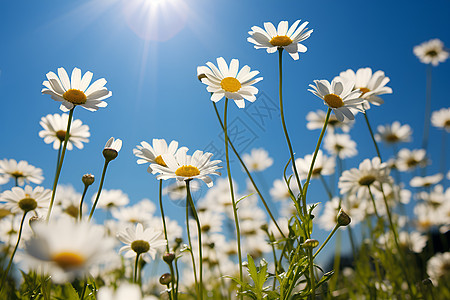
431 52
229 82
393 134
26 199
441 118
258 160
21 171
55 127
339 96
185 167
283 37
76 90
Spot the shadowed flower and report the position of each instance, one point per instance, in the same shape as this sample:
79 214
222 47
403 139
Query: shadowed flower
55 127
76 90
273 39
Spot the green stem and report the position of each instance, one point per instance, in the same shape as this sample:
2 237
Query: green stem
81 201
58 171
190 242
325 185
172 273
249 175
371 134
14 252
199 231
373 202
326 241
291 152
426 125
136 266
233 201
58 158
99 189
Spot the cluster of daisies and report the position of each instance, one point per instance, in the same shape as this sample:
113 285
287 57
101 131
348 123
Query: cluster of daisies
50 230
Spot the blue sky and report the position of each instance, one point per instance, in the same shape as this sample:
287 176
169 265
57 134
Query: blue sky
155 90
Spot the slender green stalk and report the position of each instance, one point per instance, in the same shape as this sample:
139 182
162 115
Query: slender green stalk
373 202
99 188
443 153
16 179
372 135
325 185
233 201
199 232
58 171
426 125
190 243
80 210
327 239
136 266
291 152
58 158
14 251
249 175
84 289
172 273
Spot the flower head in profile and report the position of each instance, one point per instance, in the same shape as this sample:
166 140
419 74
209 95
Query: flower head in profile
431 52
111 198
441 118
153 155
141 242
69 248
185 167
76 90
426 181
370 84
229 81
340 145
25 199
323 165
317 119
55 127
283 37
338 95
112 148
258 160
408 160
21 171
393 134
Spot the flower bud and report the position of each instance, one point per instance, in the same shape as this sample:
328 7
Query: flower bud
165 279
88 179
310 243
343 219
110 154
169 257
201 76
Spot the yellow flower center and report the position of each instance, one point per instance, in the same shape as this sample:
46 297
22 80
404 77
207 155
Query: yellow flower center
432 53
72 211
333 100
27 204
61 135
187 171
140 246
367 180
392 138
364 90
17 174
68 260
160 161
280 40
75 96
230 84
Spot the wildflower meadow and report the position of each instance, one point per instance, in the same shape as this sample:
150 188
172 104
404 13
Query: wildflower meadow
234 162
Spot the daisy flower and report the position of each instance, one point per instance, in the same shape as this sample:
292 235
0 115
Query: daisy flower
111 198
323 165
272 39
317 119
141 212
341 145
186 167
177 190
148 154
26 199
426 181
338 95
438 266
280 191
407 159
395 133
358 180
69 248
370 85
21 171
258 160
441 119
141 242
227 82
55 127
76 90
112 148
431 52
